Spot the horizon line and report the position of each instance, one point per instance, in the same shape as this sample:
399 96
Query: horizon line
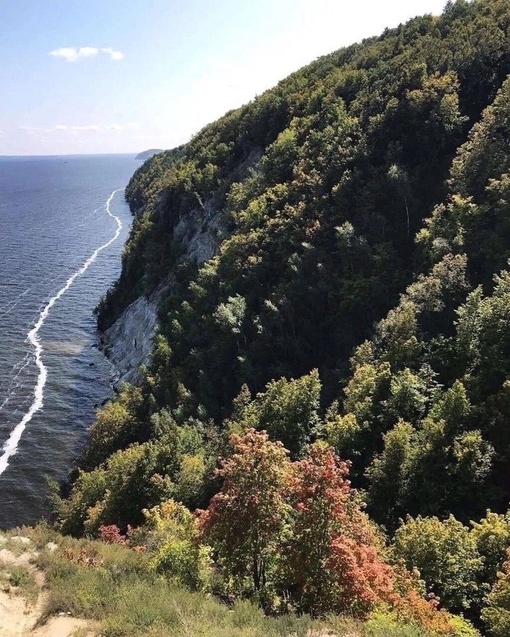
71 154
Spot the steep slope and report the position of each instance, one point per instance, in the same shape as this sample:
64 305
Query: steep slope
278 236
310 196
440 359
328 263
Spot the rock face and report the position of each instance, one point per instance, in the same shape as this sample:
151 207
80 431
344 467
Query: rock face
128 342
199 233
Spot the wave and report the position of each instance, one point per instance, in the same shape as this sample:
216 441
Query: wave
9 306
15 382
11 446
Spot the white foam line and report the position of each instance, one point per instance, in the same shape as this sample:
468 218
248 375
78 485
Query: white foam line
11 446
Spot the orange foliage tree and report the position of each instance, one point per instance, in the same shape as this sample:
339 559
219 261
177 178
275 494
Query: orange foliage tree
303 520
333 557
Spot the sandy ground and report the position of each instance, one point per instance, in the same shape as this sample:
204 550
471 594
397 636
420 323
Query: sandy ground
19 618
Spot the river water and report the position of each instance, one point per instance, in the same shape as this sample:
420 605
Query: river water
63 223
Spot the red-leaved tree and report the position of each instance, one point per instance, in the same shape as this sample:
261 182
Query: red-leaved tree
244 521
301 528
333 557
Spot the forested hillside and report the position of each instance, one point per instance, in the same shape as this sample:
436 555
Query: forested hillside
357 307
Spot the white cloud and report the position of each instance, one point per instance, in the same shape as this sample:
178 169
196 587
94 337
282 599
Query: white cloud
33 129
114 55
93 128
77 129
72 53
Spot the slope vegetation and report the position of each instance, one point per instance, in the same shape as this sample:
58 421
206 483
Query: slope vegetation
331 261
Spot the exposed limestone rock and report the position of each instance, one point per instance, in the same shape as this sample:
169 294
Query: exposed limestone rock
128 342
198 232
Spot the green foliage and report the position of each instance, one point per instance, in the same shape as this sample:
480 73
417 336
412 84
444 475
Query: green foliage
117 492
390 474
446 556
115 426
321 183
496 615
492 537
170 533
287 410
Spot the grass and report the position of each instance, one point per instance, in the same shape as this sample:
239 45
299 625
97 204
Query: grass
114 586
19 579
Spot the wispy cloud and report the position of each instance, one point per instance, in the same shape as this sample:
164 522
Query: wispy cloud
93 128
77 129
32 129
73 54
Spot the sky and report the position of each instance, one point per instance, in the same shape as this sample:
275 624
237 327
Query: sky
122 76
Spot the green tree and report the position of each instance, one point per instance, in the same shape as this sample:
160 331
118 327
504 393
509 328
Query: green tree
115 426
288 410
492 537
446 556
170 534
496 614
390 475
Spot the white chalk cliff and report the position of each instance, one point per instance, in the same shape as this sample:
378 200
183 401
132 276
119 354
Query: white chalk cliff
128 342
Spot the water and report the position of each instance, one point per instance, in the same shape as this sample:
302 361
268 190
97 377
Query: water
63 222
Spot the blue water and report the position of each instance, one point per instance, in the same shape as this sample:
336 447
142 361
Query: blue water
54 216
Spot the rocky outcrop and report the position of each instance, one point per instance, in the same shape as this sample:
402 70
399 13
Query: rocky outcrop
199 233
128 342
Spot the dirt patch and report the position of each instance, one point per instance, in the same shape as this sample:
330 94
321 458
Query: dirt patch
62 627
19 617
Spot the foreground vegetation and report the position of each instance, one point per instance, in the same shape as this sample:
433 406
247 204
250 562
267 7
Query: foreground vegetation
121 594
355 314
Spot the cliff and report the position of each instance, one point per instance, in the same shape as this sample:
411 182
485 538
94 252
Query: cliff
128 341
321 185
345 204
329 264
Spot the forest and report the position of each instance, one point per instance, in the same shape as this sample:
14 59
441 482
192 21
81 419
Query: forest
324 424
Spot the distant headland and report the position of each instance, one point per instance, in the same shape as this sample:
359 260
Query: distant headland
146 154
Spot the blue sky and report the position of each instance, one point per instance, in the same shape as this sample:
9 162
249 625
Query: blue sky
114 76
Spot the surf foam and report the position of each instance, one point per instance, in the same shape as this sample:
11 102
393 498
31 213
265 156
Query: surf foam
11 446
